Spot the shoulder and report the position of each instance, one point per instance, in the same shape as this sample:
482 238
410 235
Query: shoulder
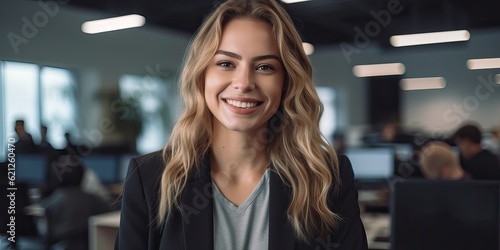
487 157
144 173
345 186
147 166
350 233
345 168
345 172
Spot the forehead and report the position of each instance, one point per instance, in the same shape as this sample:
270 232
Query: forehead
248 36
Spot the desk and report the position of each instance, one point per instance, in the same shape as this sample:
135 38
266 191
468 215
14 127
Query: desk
102 230
376 225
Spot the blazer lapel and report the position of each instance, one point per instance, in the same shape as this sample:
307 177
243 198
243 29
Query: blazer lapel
281 235
197 206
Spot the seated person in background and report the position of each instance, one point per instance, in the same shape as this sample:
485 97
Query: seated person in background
480 163
44 147
68 209
437 161
24 143
90 183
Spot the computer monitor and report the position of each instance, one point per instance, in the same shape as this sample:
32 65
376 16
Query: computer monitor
105 166
403 151
436 215
371 163
31 168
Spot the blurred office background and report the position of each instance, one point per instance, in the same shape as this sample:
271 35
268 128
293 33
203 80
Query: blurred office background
109 96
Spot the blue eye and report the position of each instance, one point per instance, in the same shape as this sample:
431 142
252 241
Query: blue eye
225 64
265 67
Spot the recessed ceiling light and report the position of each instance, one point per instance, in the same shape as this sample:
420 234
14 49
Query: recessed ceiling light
385 69
430 38
114 23
485 63
422 83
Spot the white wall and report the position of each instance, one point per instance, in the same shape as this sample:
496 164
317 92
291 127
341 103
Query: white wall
429 110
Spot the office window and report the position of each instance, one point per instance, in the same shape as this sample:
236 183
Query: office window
148 99
58 109
38 96
328 122
3 132
21 98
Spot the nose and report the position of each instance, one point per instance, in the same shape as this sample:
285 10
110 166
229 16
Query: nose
243 80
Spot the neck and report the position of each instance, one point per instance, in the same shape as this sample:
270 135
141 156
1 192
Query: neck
238 155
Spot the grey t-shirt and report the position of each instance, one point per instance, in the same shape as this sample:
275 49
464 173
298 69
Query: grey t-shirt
245 227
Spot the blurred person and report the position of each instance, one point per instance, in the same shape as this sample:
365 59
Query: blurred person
24 143
246 166
437 161
44 147
44 142
71 148
339 143
68 208
480 163
90 183
389 132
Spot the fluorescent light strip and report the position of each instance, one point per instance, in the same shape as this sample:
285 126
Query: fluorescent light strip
422 83
430 38
308 48
486 63
294 1
385 69
114 23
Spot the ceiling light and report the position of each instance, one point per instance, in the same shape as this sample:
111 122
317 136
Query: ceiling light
111 24
308 48
385 69
293 1
430 38
486 63
422 83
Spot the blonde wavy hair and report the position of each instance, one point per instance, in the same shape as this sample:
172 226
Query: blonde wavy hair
435 156
298 152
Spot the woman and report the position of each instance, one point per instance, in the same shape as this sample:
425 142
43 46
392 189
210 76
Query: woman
246 166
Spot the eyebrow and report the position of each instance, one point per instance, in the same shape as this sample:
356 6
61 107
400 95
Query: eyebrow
239 57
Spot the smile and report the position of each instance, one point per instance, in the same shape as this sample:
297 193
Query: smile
239 104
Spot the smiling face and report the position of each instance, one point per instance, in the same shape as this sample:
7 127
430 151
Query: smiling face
244 80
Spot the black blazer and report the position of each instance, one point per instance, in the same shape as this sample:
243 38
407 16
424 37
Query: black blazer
193 229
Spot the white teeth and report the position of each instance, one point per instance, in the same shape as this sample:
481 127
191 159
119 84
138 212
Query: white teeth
241 104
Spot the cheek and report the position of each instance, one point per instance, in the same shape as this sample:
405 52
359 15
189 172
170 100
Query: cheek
210 86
